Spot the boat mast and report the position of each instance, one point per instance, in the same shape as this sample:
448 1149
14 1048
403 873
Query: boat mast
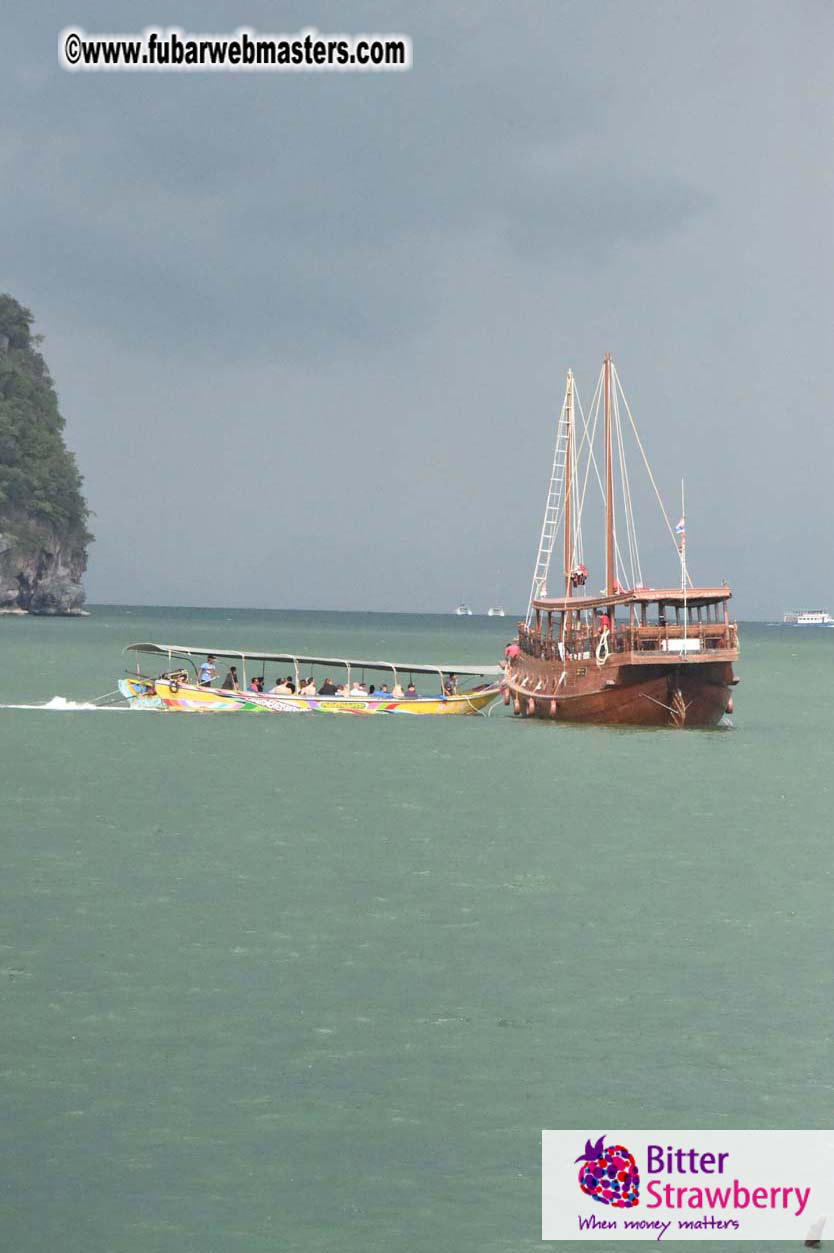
568 482
682 524
609 484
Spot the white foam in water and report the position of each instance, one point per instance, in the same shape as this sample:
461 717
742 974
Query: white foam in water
61 704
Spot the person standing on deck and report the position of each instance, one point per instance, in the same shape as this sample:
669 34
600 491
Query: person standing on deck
231 683
208 672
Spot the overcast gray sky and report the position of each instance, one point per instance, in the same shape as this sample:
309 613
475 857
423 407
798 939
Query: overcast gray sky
309 331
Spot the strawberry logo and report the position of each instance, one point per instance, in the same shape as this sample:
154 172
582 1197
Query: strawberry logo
609 1175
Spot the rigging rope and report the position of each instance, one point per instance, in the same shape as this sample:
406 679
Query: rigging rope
619 386
545 550
595 412
603 651
628 507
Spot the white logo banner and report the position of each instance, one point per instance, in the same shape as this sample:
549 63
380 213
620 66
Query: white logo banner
687 1185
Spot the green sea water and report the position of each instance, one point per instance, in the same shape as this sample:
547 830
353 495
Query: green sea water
315 983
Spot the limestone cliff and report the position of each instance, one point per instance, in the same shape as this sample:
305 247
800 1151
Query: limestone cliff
43 514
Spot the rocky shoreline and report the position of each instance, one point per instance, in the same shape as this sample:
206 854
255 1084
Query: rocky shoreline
26 613
40 573
43 513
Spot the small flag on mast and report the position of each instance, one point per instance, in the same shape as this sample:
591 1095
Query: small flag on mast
680 529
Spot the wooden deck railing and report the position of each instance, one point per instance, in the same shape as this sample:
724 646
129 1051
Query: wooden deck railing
710 636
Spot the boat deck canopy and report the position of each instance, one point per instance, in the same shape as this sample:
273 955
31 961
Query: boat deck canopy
639 595
237 654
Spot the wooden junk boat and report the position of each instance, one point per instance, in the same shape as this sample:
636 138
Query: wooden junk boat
650 656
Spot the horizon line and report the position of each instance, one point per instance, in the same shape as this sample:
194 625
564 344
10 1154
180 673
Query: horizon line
403 613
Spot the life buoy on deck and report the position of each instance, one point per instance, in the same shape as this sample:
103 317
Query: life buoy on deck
173 685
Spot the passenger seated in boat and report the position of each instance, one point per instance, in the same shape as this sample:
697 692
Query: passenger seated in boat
383 693
257 684
397 692
358 689
290 684
411 691
231 683
328 688
450 687
372 690
208 671
281 688
308 688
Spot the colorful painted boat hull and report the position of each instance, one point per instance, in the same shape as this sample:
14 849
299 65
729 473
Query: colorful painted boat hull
163 694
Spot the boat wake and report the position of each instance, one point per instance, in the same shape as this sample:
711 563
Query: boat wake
60 704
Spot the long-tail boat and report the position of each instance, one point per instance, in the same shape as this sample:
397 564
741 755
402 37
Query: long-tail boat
178 686
650 656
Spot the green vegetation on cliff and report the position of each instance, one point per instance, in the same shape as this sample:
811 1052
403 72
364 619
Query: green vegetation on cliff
40 485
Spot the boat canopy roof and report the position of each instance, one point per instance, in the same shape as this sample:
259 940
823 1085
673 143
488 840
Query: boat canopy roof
238 654
638 595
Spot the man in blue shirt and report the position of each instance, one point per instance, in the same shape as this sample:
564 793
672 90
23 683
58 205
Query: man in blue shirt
208 673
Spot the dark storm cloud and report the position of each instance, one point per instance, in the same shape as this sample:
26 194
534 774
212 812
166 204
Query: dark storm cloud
316 207
357 295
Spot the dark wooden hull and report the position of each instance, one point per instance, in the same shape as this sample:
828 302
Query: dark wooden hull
677 693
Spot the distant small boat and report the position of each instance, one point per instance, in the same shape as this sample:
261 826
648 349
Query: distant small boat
495 612
463 611
808 617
